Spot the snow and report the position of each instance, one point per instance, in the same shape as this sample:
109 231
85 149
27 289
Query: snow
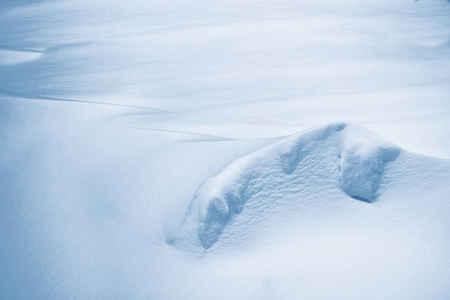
224 149
348 153
8 57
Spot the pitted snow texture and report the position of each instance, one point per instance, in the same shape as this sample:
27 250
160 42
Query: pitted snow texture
359 153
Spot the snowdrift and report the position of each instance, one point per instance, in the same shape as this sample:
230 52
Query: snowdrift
348 154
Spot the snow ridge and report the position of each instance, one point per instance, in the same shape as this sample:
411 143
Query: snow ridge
360 156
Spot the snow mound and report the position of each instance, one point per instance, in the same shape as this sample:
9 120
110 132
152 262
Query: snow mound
353 156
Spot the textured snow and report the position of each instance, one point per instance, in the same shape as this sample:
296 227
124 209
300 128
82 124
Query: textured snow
359 155
136 134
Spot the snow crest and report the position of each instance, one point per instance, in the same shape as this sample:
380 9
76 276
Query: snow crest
360 156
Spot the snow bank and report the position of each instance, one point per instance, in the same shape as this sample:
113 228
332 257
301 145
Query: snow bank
348 153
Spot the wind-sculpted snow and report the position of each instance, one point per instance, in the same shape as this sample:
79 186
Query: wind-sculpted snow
12 57
349 153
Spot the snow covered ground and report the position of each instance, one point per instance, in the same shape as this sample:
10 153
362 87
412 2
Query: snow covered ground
225 149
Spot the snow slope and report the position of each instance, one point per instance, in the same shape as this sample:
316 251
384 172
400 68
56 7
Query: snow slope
221 65
282 220
180 149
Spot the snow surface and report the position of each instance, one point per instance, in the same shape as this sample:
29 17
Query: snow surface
8 57
351 155
180 149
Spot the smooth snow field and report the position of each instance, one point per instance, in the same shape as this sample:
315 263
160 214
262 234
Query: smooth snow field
225 149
